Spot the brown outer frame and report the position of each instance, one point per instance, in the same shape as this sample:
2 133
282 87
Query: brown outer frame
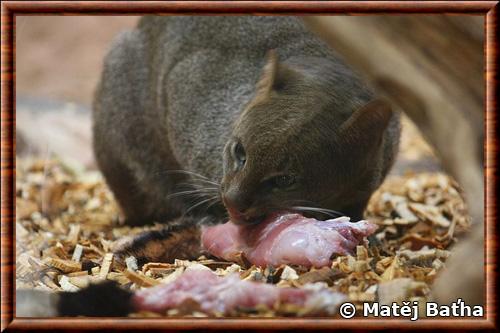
11 8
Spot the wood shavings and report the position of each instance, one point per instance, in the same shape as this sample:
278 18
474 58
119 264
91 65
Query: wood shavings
24 208
399 290
406 216
172 276
106 265
95 271
254 274
424 255
80 281
420 216
65 266
430 213
325 274
289 274
394 270
52 197
74 231
118 277
66 285
140 279
131 263
77 254
232 269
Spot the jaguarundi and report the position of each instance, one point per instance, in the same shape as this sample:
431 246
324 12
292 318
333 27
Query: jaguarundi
200 119
197 119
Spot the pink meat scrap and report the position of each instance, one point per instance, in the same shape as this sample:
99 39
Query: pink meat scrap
287 239
214 294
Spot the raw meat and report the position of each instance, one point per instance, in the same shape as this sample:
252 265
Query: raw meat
213 294
286 239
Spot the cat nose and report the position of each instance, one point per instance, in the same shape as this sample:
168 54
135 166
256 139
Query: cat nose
235 205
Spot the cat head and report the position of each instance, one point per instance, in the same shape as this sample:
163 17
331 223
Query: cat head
293 148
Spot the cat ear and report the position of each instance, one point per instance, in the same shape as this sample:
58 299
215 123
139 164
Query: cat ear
367 125
274 75
268 75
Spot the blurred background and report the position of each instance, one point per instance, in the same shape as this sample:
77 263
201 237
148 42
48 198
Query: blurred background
429 66
60 57
414 60
58 63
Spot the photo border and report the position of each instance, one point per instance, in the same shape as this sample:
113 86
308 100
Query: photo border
9 10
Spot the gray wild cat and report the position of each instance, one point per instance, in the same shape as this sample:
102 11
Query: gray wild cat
197 118
259 113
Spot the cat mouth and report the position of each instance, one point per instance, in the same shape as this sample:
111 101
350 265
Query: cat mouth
243 220
246 220
256 220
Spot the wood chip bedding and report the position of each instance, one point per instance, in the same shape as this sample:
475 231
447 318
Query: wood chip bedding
67 227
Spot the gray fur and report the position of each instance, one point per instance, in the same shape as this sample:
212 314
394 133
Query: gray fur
172 89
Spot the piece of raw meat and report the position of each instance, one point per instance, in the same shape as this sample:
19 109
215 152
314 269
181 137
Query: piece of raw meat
213 294
286 239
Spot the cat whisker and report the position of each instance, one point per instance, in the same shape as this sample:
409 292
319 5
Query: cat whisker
200 192
186 172
329 212
299 202
192 183
199 204
216 200
303 210
190 173
206 181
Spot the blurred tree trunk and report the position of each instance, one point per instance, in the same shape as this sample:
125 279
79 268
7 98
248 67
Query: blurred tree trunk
432 68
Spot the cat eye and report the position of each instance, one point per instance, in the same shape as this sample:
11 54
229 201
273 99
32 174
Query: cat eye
283 181
239 154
